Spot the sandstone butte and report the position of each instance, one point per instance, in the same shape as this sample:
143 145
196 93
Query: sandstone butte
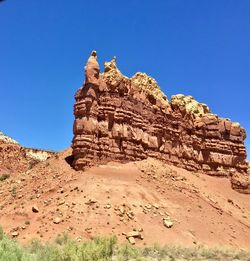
127 119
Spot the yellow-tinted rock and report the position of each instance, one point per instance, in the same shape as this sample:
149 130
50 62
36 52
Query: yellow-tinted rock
149 85
189 104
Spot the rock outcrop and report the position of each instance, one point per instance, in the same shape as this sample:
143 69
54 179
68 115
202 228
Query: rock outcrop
15 158
125 119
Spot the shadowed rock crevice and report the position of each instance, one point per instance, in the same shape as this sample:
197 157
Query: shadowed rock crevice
122 119
69 160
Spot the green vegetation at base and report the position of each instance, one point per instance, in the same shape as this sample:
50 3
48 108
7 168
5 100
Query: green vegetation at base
66 249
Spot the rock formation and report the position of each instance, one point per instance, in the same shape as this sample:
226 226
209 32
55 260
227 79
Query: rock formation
126 119
15 158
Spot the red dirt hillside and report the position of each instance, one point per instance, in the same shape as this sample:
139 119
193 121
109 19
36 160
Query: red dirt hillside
162 203
15 158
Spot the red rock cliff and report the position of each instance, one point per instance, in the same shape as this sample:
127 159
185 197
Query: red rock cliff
122 119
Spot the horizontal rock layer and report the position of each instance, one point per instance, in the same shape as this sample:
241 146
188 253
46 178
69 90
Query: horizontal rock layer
122 119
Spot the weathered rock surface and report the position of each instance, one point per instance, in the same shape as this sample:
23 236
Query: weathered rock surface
15 158
241 183
122 119
6 139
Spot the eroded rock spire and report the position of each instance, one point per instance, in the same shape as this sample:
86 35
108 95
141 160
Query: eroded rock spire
92 70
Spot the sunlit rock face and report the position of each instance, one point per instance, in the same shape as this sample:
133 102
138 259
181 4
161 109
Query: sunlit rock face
15 158
126 119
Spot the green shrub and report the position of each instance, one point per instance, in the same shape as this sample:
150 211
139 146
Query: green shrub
1 233
10 250
104 249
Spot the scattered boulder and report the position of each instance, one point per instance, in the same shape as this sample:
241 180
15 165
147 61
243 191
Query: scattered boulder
131 240
91 202
61 202
167 222
132 235
35 209
57 220
15 234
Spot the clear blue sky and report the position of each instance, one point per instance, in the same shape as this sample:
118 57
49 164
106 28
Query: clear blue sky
194 47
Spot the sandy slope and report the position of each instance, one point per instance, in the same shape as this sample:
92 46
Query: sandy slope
117 198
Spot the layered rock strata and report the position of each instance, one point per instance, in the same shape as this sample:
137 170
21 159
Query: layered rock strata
127 119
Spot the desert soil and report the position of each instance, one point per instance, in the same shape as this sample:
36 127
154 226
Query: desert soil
164 204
